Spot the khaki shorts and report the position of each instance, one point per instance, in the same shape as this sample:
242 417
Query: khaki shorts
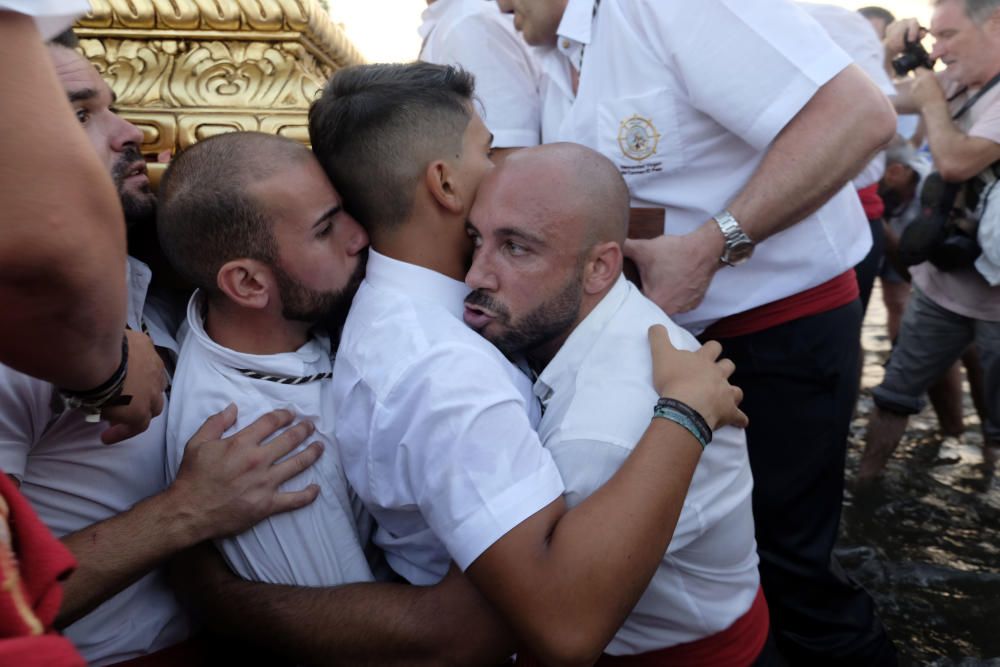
931 339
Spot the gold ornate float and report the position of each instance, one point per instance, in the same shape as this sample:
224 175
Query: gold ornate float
184 70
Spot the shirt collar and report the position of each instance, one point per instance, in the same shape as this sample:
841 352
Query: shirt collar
416 282
561 371
138 277
303 361
574 30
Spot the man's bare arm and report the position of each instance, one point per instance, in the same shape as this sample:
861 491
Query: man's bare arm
838 132
62 235
355 624
223 487
826 144
957 156
903 101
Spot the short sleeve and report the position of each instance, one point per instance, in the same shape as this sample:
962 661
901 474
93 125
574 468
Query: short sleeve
586 465
751 65
471 459
506 77
51 16
987 125
24 414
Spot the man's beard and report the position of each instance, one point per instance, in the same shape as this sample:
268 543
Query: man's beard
543 324
326 311
139 208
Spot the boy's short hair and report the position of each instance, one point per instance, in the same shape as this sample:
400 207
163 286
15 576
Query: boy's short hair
377 127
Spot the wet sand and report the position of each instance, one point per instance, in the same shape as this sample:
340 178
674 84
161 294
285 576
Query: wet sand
926 545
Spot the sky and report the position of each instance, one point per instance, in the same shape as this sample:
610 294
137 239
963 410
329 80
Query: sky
386 30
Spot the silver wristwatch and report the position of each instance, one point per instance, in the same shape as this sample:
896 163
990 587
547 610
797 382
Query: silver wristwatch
739 246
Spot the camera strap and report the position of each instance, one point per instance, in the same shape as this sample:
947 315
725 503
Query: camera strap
969 103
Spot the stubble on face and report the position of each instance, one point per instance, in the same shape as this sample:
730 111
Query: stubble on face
541 325
139 206
324 310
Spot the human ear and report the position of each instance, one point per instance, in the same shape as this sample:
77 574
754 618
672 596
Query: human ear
602 268
441 181
246 282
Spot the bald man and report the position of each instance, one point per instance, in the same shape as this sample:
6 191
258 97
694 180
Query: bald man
548 226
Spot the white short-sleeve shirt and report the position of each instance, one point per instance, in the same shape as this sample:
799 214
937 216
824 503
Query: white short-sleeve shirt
686 98
51 16
598 398
73 481
317 545
435 426
476 36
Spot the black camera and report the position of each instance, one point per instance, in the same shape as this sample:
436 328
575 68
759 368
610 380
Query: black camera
914 55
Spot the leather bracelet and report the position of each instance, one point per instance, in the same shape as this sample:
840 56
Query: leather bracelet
91 401
690 416
681 420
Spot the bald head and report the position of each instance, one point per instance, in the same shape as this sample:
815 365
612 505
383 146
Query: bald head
548 226
208 214
573 185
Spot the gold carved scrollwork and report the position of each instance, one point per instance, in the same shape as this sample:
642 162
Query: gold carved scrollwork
306 18
184 70
254 75
134 69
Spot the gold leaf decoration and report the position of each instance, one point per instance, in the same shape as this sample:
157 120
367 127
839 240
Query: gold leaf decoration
183 70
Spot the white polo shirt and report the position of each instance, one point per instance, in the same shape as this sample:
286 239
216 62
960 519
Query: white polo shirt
686 98
51 16
476 36
435 426
73 481
598 401
854 34
318 545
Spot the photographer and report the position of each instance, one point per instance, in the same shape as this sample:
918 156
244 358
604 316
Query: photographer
949 308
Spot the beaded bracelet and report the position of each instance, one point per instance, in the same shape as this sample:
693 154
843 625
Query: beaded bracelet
684 415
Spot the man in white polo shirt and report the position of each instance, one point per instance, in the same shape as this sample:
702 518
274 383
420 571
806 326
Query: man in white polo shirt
435 426
474 35
547 285
739 122
110 504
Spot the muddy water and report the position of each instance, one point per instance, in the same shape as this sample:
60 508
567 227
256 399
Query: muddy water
926 545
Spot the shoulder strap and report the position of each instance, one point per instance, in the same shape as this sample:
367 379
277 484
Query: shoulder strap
975 98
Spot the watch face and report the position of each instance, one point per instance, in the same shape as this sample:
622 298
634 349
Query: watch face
738 253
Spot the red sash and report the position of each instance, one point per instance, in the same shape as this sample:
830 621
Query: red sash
834 293
872 202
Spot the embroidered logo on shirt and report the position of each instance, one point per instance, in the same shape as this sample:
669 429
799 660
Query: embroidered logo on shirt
638 138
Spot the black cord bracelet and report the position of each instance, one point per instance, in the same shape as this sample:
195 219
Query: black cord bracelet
689 412
94 399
